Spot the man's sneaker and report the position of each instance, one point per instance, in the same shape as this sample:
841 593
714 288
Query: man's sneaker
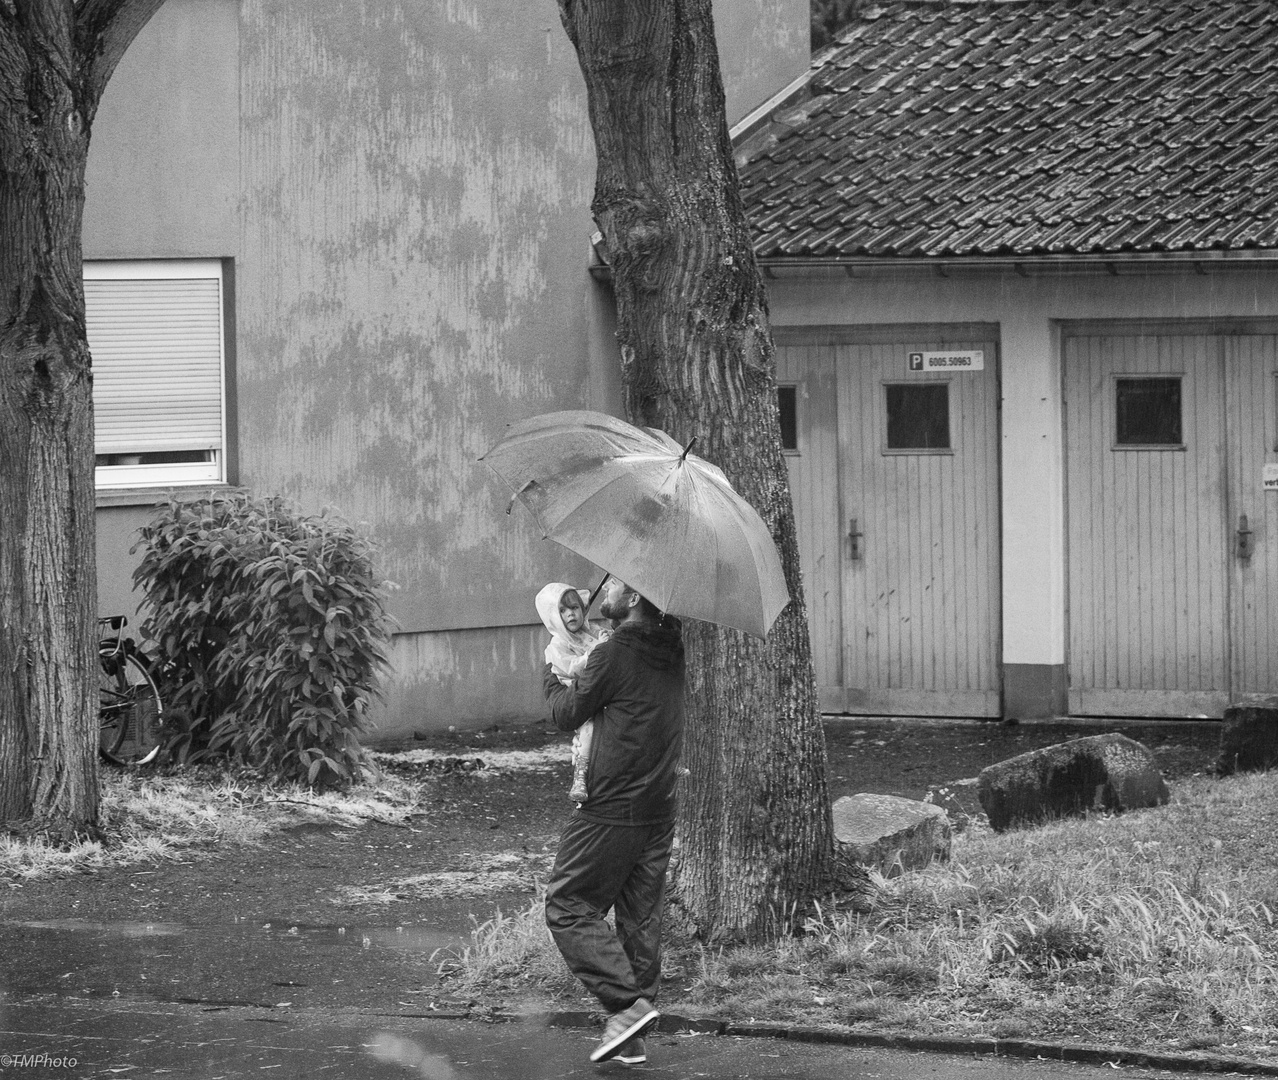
633 1053
624 1026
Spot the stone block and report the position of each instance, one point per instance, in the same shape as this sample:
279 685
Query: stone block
1249 736
1100 772
891 834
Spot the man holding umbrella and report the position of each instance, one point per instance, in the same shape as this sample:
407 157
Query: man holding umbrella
637 503
614 851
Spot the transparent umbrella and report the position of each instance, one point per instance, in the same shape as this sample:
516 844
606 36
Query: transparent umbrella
639 505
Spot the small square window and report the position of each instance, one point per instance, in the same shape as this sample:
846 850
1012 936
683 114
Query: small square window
918 416
1147 412
788 407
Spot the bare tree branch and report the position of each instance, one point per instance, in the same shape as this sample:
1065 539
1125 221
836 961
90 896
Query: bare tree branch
104 29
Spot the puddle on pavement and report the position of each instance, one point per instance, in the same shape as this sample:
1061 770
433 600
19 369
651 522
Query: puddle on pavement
123 929
403 938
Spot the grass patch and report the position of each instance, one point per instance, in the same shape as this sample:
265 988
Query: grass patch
1153 929
510 956
176 813
150 817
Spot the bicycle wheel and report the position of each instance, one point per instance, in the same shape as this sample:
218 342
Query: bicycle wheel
128 710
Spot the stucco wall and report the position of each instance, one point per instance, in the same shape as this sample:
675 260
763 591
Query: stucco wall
163 173
404 189
462 678
415 184
763 46
117 532
1027 310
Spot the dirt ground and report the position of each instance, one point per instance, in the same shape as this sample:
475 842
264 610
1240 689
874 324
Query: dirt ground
480 821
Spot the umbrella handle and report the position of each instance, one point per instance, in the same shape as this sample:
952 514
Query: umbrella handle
603 581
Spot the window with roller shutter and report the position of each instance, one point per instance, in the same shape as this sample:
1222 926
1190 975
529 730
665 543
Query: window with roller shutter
156 335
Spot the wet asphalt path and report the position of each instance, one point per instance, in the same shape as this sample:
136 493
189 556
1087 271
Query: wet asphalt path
96 1039
280 997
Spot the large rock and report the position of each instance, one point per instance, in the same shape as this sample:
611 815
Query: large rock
1100 772
890 833
1249 736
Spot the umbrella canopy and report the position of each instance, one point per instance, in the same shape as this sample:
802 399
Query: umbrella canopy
636 503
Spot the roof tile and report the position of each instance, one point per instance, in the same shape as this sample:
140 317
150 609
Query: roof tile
1026 126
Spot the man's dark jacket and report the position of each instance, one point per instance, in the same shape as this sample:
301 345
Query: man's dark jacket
632 687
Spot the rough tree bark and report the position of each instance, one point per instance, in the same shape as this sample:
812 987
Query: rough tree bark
697 359
55 59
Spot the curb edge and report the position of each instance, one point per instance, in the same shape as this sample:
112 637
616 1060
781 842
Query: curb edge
1083 1053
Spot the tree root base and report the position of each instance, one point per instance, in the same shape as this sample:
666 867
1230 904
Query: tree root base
846 886
61 837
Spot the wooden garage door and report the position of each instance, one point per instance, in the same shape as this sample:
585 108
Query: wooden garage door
1167 434
896 494
1251 381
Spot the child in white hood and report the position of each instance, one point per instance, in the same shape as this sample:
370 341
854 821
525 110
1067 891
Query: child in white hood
563 611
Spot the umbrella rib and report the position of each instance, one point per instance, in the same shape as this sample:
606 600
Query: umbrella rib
608 478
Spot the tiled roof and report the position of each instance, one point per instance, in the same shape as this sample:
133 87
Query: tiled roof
1026 127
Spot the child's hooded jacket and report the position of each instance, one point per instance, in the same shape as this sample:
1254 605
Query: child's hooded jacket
567 652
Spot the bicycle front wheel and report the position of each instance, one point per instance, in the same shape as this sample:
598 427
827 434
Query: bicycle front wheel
128 711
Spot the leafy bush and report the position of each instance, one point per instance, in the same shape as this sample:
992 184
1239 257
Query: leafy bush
273 632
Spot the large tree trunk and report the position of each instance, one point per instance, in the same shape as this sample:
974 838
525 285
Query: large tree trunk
54 60
697 358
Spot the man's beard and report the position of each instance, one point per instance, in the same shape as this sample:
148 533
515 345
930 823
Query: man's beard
610 610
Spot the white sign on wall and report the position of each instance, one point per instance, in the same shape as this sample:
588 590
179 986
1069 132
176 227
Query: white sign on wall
969 360
1269 477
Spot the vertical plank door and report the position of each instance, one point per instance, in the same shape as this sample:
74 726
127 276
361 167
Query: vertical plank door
1251 378
919 544
806 362
1148 543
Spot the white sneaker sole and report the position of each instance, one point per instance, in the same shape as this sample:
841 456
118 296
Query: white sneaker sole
606 1050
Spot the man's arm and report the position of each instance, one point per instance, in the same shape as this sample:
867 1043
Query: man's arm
572 705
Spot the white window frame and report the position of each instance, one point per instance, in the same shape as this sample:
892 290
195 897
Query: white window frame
169 474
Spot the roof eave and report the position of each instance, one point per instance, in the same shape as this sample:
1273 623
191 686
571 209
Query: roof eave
758 117
775 267
778 266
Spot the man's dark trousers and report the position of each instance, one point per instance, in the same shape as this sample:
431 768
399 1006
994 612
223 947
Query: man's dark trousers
611 866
